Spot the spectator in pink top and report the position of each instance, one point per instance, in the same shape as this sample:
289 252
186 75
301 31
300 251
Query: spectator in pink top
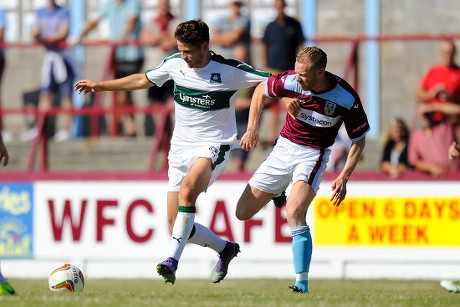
429 146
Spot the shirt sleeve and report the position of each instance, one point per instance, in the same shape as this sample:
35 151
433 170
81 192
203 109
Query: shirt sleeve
160 74
356 121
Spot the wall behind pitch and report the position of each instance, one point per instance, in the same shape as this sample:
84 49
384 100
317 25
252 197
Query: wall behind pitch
118 229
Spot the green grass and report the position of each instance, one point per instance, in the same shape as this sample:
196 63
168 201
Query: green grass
234 292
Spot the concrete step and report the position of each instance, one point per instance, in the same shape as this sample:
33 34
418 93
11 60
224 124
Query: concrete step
129 154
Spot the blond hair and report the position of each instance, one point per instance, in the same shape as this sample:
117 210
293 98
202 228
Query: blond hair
313 54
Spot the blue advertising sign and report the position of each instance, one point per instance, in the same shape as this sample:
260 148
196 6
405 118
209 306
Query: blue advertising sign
16 220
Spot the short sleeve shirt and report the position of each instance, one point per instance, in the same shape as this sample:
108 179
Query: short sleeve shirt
321 114
205 97
118 13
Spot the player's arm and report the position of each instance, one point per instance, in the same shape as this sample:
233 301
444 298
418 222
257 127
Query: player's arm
251 137
129 83
339 185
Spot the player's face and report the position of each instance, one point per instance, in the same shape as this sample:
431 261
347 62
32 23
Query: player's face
307 75
194 56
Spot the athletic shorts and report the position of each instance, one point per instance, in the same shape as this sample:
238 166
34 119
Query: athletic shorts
52 74
181 160
124 69
289 162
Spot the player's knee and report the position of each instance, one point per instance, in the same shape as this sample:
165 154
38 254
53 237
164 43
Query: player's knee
296 212
241 213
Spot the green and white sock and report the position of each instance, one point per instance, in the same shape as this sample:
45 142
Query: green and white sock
182 229
205 237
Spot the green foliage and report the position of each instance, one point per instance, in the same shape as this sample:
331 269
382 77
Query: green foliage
234 292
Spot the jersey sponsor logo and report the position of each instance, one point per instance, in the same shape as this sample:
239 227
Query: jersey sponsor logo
216 78
317 120
329 108
204 101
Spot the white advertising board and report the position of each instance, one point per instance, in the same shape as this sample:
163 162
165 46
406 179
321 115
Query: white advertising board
119 229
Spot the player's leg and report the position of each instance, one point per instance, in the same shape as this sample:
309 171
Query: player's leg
250 202
173 205
194 183
205 237
309 168
297 204
270 179
200 234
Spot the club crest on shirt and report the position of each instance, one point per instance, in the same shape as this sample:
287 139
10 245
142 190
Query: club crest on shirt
329 108
214 150
215 78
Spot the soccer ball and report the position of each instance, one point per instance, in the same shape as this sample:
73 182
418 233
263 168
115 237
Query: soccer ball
67 278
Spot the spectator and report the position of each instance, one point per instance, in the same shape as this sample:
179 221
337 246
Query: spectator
441 83
7 136
282 39
125 27
243 102
429 146
229 31
394 159
453 111
51 30
160 35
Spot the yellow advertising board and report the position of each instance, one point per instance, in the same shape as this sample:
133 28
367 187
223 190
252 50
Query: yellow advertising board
388 221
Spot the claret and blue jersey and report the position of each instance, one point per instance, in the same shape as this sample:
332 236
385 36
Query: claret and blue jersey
321 114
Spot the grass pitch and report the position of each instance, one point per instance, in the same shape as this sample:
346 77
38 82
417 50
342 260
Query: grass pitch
234 292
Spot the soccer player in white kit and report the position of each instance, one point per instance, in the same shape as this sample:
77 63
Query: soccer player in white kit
204 133
321 103
5 286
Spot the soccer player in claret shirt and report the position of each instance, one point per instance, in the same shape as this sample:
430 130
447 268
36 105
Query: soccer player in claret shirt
204 133
321 102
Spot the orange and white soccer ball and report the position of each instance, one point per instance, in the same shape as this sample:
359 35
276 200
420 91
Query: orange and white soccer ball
67 278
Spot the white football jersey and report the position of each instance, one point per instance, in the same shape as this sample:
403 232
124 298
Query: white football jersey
205 98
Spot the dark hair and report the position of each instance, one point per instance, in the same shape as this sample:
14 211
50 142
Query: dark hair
192 32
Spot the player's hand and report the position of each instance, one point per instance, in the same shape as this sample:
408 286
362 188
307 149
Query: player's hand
249 140
86 86
339 191
292 106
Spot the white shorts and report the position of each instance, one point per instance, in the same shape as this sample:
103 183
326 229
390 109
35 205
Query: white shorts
290 162
181 159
